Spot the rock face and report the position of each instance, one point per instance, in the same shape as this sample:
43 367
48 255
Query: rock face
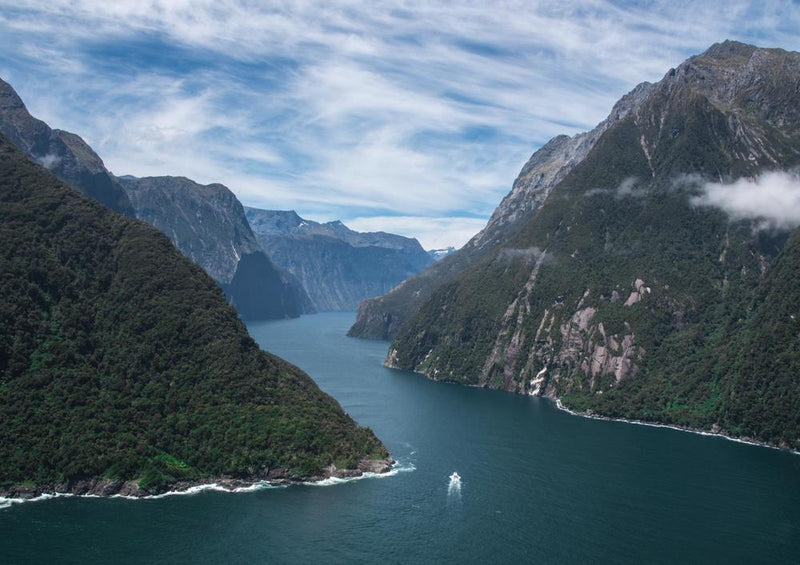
618 291
207 224
338 267
261 291
380 318
65 154
123 369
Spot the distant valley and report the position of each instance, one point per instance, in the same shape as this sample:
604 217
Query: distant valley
338 267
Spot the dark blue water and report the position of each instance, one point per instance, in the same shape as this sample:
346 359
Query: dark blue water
539 486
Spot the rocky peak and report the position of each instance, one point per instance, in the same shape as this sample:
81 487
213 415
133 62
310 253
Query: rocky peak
65 154
273 222
9 99
730 50
547 167
742 78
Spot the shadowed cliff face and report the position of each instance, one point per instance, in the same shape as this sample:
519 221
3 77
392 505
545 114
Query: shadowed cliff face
259 290
65 154
624 292
207 224
337 266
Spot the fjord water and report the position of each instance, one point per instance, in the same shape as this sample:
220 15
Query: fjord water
538 485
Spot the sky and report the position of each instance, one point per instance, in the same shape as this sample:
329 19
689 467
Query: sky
407 117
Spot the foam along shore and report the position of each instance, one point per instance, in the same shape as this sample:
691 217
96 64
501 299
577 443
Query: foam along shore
274 478
710 433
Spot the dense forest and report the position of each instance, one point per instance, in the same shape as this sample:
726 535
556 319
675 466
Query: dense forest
119 358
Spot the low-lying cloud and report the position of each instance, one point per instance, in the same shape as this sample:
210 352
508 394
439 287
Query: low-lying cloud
773 198
49 161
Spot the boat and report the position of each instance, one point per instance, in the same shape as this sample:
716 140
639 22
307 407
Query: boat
455 478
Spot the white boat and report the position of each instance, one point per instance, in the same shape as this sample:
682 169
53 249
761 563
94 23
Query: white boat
455 478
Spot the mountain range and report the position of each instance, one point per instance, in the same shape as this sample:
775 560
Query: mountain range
207 223
338 267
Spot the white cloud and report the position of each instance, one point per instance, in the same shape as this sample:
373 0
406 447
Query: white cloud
415 108
773 198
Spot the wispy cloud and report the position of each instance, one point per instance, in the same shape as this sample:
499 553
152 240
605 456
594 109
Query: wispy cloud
772 198
350 109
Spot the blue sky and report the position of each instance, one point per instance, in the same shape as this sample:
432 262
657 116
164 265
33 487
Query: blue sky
412 117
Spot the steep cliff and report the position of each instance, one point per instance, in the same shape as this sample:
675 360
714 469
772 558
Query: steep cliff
338 267
381 317
626 293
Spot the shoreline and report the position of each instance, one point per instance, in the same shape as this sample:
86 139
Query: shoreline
592 416
698 431
104 488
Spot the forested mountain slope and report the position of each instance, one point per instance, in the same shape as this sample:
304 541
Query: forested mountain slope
123 368
645 286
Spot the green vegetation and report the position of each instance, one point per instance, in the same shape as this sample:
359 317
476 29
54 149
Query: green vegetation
120 358
717 336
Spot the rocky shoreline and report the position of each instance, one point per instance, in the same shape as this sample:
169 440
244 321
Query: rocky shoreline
103 487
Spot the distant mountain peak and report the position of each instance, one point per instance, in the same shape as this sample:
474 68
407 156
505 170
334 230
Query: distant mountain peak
337 266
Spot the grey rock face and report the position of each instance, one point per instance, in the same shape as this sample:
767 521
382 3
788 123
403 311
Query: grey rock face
65 154
338 267
207 224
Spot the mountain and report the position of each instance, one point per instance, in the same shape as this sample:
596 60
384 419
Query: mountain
207 223
124 370
337 266
656 278
381 317
65 154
